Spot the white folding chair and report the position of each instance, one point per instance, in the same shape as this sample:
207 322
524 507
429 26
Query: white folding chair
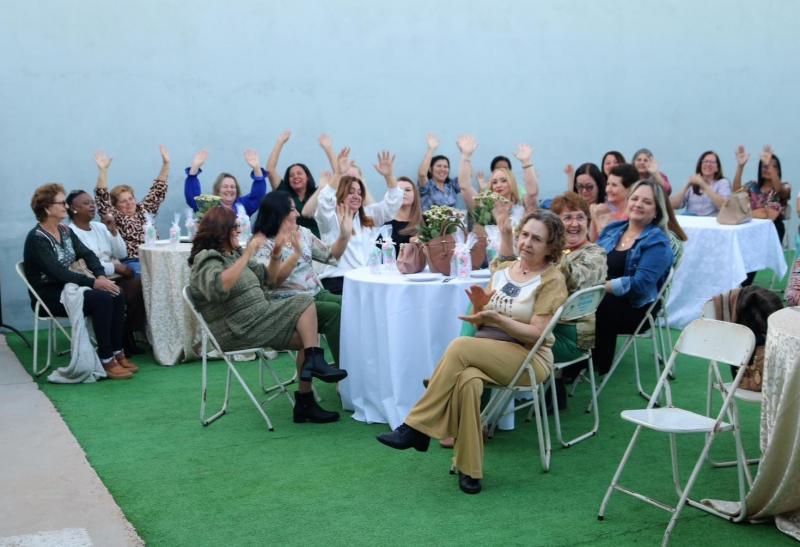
52 323
496 408
647 327
713 341
744 395
265 355
578 305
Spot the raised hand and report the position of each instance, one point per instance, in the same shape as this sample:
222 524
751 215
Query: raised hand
164 154
257 241
652 166
343 162
524 154
385 163
251 157
569 170
198 160
502 216
325 141
325 179
285 136
432 140
102 160
766 154
741 155
345 219
296 241
483 184
467 144
478 296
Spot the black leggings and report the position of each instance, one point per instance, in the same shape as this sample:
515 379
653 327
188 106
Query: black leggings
108 318
614 316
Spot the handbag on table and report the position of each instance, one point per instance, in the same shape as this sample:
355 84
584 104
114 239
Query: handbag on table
736 209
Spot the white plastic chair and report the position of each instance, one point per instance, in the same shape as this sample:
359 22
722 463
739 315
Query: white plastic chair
580 304
52 323
265 355
713 341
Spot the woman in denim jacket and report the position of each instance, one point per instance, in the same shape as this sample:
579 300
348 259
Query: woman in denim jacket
639 258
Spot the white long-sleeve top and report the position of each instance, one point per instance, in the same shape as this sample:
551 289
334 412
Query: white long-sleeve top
363 239
100 241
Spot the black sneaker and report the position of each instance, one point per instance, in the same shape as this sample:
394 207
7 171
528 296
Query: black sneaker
405 437
467 484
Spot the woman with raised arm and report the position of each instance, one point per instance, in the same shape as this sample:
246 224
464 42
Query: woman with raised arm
121 204
226 186
588 182
229 287
51 248
769 194
502 180
297 181
277 220
647 166
639 258
511 316
105 241
705 191
435 185
349 192
619 180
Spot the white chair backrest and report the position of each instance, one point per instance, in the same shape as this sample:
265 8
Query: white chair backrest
582 303
187 297
717 341
709 312
20 267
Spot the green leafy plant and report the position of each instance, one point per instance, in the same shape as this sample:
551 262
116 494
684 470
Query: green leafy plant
484 204
204 203
439 220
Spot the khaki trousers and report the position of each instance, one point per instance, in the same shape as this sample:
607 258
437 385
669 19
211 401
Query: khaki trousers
450 406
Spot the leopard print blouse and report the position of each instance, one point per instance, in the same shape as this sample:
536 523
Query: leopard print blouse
132 227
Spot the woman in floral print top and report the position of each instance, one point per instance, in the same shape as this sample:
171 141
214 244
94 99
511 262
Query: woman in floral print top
121 204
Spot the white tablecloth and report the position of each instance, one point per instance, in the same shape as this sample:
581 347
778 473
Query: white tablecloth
170 327
393 333
716 258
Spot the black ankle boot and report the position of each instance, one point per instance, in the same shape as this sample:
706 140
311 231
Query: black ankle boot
467 484
315 366
405 437
306 409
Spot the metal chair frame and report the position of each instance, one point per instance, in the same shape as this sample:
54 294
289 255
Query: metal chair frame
713 341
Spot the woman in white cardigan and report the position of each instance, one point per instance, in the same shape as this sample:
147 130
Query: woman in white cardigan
344 195
105 241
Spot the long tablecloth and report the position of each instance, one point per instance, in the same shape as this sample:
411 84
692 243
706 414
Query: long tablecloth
716 258
171 329
393 333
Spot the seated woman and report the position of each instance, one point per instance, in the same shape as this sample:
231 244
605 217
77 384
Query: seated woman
647 166
50 249
610 160
639 259
511 315
409 216
706 190
228 288
226 186
435 185
767 194
588 182
298 181
344 196
105 241
621 178
502 180
277 220
121 205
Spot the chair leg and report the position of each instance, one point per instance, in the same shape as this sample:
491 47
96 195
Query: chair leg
232 369
593 408
615 479
542 427
204 390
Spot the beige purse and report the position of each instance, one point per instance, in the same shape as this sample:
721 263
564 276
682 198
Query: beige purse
736 209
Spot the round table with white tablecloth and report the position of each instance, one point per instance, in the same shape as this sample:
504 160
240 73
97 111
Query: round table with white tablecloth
716 258
394 331
170 328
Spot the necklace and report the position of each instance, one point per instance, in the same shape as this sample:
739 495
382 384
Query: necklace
526 271
627 240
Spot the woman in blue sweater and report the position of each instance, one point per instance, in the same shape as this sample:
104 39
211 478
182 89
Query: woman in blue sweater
226 186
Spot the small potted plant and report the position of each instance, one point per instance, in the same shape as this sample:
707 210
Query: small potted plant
204 203
439 223
482 216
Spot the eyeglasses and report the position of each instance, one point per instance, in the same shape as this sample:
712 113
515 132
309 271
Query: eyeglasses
585 187
709 162
570 217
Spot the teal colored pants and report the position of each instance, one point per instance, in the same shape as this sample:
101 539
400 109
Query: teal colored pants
329 316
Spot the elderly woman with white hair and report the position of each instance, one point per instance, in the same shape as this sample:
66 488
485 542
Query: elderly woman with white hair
639 258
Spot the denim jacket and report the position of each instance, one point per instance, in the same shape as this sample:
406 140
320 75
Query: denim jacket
646 265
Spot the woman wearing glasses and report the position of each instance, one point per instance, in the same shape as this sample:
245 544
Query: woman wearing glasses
706 190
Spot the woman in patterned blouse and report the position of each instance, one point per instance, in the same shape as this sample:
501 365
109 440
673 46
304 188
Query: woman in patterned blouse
121 204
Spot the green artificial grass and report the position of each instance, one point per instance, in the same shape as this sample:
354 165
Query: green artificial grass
236 483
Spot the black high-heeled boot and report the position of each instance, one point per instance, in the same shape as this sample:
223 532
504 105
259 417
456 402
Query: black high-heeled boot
306 409
314 366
